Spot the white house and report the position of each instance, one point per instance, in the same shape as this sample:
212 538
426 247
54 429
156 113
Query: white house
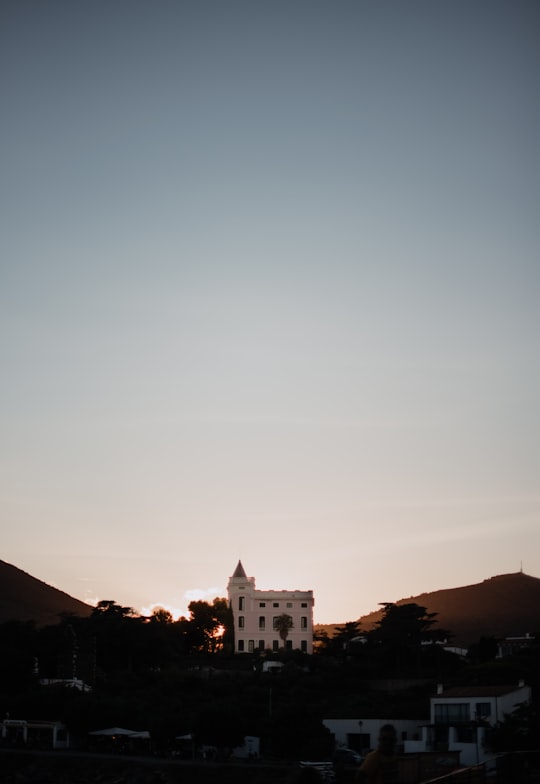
37 734
255 613
461 718
362 734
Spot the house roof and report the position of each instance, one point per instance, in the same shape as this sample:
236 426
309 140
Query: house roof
476 691
240 571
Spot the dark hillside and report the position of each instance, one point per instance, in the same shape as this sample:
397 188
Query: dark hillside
503 606
24 598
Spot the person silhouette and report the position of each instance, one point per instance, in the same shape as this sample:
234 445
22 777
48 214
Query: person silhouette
381 765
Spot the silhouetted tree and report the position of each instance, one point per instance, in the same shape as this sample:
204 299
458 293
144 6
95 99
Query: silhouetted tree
118 637
345 635
401 631
208 624
17 654
518 731
110 609
161 615
408 624
283 624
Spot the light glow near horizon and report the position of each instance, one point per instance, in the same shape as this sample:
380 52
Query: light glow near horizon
269 290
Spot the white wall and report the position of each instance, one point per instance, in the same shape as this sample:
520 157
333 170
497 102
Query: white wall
341 728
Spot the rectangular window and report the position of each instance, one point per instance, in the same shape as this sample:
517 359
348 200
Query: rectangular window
241 646
275 645
304 604
261 645
289 604
303 622
240 621
288 645
303 646
274 621
262 604
276 604
262 621
241 602
483 710
452 713
251 646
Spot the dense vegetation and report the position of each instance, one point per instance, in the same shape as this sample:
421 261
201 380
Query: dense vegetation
178 677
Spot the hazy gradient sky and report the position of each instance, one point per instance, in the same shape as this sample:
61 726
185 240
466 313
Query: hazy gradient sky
269 290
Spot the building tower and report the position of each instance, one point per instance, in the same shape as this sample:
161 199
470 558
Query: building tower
255 613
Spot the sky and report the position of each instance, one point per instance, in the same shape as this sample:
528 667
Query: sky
269 286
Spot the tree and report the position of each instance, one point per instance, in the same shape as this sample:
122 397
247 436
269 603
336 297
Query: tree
407 624
345 635
17 652
283 624
161 615
518 731
401 632
208 624
109 608
117 634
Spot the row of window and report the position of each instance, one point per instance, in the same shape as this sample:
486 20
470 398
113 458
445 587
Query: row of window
460 713
262 622
288 605
251 646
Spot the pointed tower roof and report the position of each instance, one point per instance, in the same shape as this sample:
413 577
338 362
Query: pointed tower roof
240 571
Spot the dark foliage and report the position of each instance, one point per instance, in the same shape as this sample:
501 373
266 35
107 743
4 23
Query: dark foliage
174 678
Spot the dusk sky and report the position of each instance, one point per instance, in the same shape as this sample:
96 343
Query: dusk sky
270 290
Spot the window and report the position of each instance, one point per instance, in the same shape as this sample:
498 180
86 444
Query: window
241 602
303 646
241 646
262 621
276 604
482 710
262 604
261 645
304 604
289 604
452 713
251 646
303 622
274 621
288 645
241 621
275 645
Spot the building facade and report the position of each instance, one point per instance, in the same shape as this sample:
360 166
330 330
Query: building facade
256 614
461 719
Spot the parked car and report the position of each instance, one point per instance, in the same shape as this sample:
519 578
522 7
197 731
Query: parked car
346 757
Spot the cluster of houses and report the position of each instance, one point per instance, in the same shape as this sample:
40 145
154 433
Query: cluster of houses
454 731
457 725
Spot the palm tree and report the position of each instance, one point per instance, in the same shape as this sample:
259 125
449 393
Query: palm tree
283 624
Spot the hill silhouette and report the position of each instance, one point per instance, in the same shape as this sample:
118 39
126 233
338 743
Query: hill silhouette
25 598
507 605
503 606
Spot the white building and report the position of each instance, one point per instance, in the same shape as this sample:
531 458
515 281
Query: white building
37 734
362 734
462 716
255 614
